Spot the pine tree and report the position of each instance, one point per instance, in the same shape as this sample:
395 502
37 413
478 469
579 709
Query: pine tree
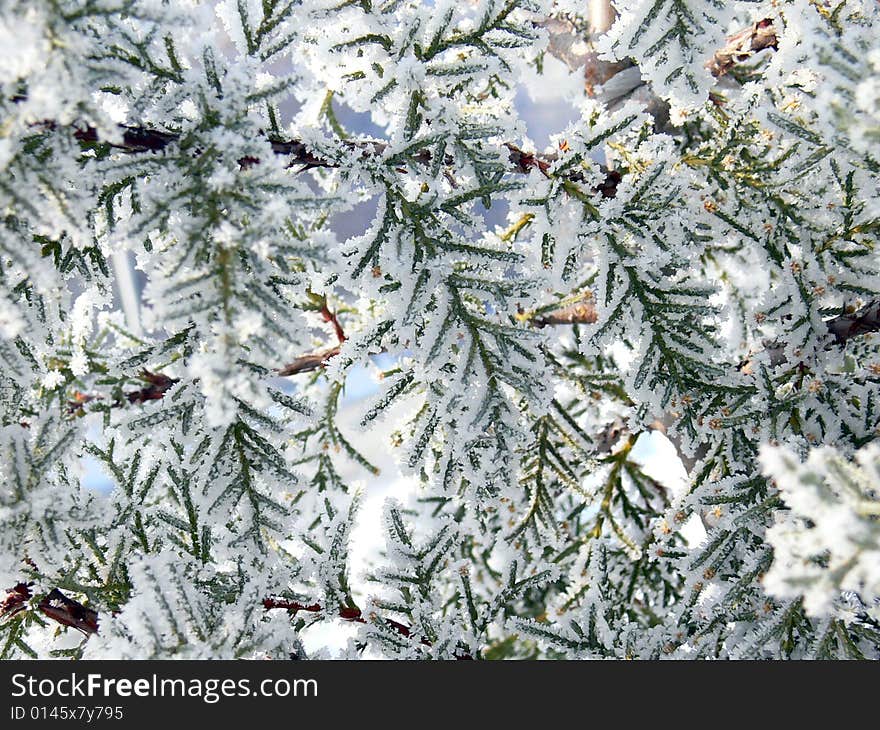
698 260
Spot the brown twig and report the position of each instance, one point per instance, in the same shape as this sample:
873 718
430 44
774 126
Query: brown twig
861 322
54 605
158 385
68 612
333 320
577 313
307 363
523 162
293 606
741 46
15 600
314 360
347 613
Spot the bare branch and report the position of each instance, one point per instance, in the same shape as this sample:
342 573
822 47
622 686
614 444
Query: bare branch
54 605
347 613
741 46
861 322
307 363
578 313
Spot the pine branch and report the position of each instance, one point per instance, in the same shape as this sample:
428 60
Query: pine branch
579 313
567 40
143 139
67 612
843 327
136 140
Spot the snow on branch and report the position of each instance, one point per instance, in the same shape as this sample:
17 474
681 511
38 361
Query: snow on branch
351 196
